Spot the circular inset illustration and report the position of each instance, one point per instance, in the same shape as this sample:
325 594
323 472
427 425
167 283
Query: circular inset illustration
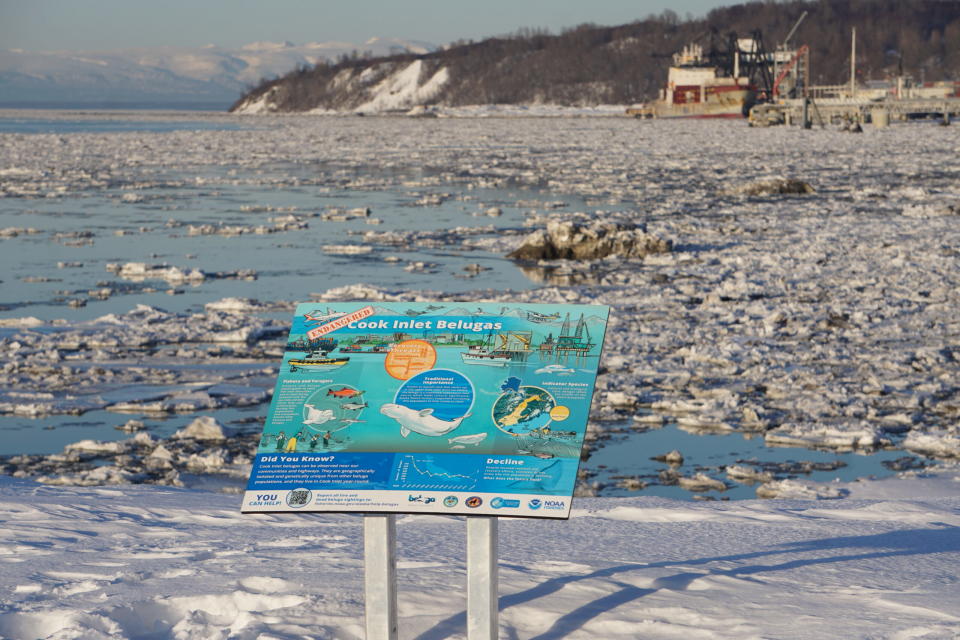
333 408
410 357
431 403
523 411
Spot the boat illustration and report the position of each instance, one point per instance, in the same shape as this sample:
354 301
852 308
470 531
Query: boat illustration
484 354
319 361
379 348
479 355
359 348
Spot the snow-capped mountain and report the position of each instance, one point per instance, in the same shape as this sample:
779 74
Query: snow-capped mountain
210 76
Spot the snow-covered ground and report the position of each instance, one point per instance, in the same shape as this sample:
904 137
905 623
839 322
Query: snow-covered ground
148 562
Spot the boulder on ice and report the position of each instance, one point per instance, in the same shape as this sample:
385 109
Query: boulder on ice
569 240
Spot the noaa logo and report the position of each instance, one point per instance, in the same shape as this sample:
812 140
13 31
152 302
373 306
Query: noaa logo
299 498
534 504
554 504
502 503
473 502
450 501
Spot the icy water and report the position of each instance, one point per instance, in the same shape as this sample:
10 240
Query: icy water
93 228
79 233
631 455
93 125
270 209
288 265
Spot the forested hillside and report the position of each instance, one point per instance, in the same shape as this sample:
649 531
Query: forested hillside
590 64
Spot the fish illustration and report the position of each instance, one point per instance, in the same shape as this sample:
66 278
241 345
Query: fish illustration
353 406
344 392
421 422
474 438
350 420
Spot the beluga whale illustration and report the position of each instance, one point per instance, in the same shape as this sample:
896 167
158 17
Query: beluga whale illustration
317 416
421 421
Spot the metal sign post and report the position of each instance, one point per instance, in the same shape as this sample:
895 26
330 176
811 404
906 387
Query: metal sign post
482 605
380 575
441 390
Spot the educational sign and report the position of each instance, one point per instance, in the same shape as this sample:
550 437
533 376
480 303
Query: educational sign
429 408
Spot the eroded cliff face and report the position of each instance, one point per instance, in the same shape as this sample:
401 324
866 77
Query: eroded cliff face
377 87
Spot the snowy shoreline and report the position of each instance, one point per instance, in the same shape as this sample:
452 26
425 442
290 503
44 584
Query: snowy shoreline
139 562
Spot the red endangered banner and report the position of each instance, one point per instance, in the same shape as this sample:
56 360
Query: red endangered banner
342 321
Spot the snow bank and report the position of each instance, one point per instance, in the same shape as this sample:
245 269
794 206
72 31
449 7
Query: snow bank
139 562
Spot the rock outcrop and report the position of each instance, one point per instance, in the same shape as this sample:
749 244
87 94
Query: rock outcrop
568 240
773 186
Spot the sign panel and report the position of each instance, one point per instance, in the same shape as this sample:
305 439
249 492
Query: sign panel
429 408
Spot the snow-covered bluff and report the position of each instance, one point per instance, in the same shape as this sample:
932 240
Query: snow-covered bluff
382 86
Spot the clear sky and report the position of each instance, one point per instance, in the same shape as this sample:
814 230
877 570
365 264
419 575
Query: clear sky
96 25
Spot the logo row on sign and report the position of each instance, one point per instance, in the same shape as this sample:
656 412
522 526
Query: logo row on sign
297 498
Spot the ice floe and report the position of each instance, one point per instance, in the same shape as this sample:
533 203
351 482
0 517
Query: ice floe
799 489
821 320
204 447
99 365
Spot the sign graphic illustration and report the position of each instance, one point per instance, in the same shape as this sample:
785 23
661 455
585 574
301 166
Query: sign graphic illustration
429 408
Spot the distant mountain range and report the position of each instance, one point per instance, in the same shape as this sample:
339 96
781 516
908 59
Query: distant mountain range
200 77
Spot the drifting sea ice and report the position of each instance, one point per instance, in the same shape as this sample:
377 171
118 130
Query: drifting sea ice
829 314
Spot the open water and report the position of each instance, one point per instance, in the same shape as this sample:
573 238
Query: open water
81 232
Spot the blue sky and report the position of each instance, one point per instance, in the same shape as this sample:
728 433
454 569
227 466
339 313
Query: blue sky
36 25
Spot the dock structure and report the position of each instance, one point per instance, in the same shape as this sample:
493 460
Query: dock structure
546 347
576 342
515 344
878 102
832 111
